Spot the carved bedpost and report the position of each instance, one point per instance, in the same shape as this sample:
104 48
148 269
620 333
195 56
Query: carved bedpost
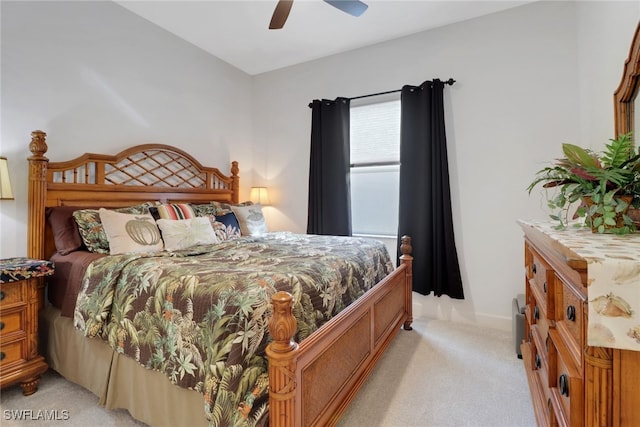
406 249
235 183
282 354
37 194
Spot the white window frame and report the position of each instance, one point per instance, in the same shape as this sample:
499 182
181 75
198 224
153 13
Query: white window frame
378 167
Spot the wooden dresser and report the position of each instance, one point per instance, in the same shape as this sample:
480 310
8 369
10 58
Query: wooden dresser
21 285
573 383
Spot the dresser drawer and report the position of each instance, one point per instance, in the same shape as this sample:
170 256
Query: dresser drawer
566 385
553 421
571 314
549 412
541 280
535 363
540 349
539 270
11 352
571 319
537 314
542 325
538 386
11 293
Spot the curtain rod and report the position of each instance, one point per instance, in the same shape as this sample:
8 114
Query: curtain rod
449 82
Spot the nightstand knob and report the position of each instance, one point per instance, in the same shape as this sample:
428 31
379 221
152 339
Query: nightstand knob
1 326
563 385
571 313
538 361
2 295
536 312
2 355
544 287
533 268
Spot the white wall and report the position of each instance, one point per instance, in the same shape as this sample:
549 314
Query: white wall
605 31
527 79
98 78
521 91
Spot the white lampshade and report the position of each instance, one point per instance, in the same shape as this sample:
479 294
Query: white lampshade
259 195
5 182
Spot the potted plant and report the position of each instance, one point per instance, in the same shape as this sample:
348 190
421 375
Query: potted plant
605 184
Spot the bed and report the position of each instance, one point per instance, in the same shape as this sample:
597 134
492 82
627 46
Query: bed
310 382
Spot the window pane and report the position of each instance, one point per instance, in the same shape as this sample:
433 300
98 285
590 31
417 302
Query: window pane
371 214
375 132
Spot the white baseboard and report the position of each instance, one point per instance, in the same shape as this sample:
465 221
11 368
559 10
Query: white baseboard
444 308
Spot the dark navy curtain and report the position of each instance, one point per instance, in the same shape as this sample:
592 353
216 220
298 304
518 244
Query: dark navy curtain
425 197
329 210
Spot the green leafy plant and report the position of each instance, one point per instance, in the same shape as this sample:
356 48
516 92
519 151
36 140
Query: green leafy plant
605 183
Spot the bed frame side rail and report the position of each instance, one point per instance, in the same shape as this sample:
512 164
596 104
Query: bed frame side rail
312 383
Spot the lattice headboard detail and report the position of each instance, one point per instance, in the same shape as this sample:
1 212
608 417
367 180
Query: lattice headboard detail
150 165
149 172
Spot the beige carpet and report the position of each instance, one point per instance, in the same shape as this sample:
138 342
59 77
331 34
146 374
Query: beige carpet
445 374
440 374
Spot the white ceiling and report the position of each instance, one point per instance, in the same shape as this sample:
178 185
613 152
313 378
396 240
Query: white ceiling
237 31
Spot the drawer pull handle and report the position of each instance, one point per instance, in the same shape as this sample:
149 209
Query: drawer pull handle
2 355
571 313
536 312
533 268
563 385
1 326
538 361
544 287
2 295
549 405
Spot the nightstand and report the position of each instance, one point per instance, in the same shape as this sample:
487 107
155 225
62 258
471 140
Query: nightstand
21 285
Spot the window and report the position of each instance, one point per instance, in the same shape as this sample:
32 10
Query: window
375 168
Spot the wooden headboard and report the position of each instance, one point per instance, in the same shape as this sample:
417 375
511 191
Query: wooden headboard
149 172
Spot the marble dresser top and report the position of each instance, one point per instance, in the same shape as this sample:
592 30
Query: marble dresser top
613 288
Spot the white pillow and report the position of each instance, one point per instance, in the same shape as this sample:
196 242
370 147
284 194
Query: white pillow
251 219
130 232
184 233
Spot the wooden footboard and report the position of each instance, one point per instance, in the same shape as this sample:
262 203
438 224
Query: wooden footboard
312 383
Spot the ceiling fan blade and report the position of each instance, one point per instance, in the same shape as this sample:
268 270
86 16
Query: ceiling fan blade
352 7
280 14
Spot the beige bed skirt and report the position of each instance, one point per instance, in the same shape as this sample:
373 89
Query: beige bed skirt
117 380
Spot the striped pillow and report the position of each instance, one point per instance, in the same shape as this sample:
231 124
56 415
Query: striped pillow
173 211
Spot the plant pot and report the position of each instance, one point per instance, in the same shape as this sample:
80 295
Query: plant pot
604 226
634 214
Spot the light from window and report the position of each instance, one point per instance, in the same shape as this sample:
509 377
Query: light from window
375 168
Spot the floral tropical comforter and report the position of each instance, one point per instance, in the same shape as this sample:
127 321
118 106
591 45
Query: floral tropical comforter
200 315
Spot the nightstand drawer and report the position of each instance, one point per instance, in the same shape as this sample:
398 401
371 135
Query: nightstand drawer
20 301
12 322
11 352
11 293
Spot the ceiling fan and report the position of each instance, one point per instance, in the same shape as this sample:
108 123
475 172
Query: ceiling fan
281 12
